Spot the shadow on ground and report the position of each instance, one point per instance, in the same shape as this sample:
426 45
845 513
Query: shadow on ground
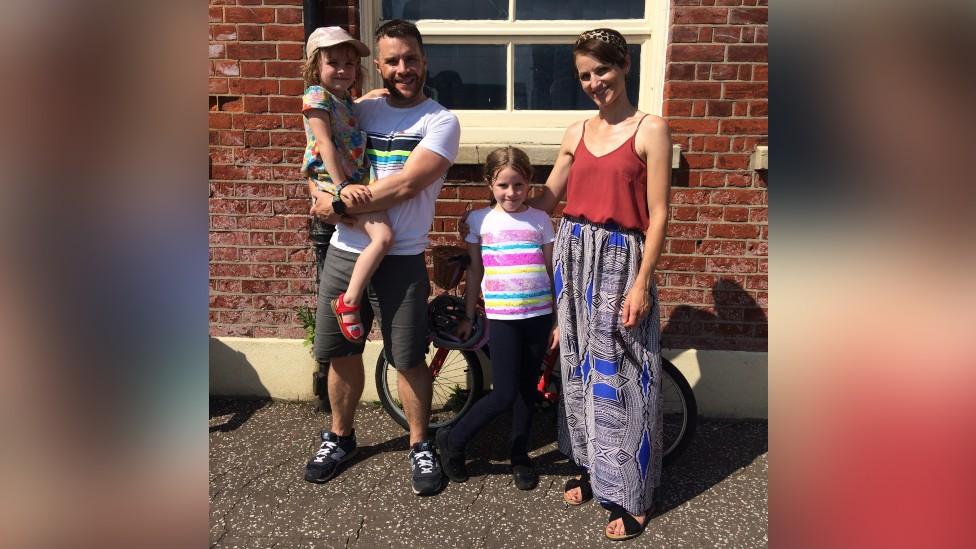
714 494
239 411
720 448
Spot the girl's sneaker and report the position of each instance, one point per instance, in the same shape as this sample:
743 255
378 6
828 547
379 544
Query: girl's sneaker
454 466
524 475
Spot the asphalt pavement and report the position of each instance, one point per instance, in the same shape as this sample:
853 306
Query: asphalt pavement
714 495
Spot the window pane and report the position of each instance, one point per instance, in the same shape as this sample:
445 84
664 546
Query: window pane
466 77
413 10
545 78
579 9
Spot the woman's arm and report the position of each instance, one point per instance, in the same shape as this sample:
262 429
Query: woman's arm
654 140
555 187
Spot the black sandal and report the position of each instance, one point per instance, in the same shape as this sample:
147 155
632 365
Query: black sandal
583 483
632 528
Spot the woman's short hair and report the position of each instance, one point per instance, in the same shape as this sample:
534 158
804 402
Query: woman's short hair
606 45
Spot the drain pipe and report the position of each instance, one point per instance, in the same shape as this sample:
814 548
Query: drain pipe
312 16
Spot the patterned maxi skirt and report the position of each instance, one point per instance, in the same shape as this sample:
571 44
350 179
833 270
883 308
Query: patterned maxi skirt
610 418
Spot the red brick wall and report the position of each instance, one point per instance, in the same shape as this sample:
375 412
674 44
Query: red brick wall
715 99
712 278
260 264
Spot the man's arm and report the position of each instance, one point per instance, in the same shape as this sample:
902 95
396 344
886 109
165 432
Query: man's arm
422 168
428 162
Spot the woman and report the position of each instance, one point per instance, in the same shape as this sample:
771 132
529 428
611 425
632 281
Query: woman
615 170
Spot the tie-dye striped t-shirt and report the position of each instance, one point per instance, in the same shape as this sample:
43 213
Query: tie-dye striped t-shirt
516 283
347 139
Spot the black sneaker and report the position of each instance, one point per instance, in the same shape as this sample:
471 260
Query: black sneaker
454 466
331 454
427 477
524 475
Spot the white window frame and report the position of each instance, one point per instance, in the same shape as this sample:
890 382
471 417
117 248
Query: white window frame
540 132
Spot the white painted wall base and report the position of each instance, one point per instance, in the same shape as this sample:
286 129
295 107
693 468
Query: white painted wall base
726 383
263 367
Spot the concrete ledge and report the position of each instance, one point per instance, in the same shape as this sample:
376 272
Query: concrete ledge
726 383
278 368
732 384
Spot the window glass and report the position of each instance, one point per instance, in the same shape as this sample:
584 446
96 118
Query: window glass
466 76
545 78
413 10
579 9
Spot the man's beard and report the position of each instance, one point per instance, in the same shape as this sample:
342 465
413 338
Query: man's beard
390 86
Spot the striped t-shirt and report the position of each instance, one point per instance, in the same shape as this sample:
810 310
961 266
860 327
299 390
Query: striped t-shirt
516 283
392 136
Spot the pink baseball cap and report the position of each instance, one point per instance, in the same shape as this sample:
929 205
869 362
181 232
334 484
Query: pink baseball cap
326 37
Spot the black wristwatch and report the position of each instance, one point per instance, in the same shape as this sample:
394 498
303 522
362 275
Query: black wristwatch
338 206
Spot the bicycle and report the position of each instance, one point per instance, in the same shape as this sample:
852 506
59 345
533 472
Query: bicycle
458 380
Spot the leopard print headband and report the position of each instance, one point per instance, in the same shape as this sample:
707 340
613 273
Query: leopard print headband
609 36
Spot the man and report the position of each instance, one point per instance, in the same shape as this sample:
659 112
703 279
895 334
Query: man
412 141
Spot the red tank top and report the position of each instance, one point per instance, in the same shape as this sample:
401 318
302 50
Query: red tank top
611 188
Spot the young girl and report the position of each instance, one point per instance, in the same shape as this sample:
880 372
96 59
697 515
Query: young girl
335 156
510 245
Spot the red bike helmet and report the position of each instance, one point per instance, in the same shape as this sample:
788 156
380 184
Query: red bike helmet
444 314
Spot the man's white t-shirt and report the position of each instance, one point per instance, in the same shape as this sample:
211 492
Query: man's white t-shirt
391 135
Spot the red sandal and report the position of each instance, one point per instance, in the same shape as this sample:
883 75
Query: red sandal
353 331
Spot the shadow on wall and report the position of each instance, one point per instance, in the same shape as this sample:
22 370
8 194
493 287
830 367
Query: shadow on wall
736 323
232 375
730 325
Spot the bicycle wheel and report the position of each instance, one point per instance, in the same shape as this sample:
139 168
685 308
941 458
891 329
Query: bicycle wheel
680 411
457 385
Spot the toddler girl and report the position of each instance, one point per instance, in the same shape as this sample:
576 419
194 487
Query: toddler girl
335 156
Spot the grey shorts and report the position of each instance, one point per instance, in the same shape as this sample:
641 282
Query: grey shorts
398 291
